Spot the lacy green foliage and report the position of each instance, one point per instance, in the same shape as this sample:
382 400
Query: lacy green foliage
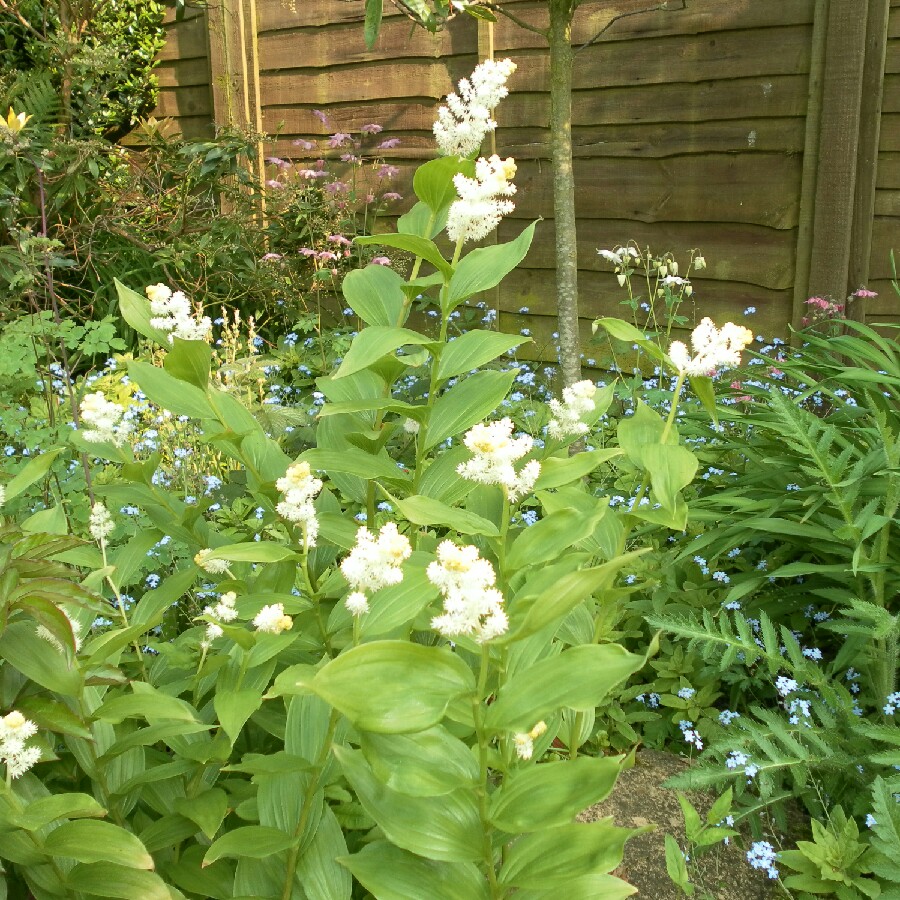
100 63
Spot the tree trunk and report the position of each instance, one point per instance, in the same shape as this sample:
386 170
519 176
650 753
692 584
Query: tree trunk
561 55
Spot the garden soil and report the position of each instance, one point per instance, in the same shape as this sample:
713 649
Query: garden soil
640 799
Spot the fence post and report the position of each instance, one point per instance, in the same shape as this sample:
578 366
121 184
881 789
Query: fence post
839 141
870 132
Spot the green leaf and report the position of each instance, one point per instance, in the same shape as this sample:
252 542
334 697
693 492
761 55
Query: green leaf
233 708
47 521
189 361
92 841
625 331
390 873
433 181
375 295
671 468
418 246
551 857
466 403
251 841
579 678
319 872
448 830
169 392
550 537
428 511
421 221
40 813
474 349
586 887
703 387
353 461
676 866
486 267
558 471
253 552
393 687
395 606
38 660
136 312
374 343
35 469
374 10
407 762
551 794
146 703
207 810
531 613
106 879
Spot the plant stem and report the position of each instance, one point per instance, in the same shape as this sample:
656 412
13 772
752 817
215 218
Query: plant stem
481 789
319 764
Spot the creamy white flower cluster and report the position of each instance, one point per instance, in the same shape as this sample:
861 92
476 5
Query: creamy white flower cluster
272 619
15 730
2 495
472 606
466 119
102 420
577 401
300 488
223 611
494 451
713 347
172 312
374 563
213 566
481 204
101 523
524 741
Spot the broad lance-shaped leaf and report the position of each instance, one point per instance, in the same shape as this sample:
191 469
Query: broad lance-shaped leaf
373 343
252 841
578 678
473 349
33 470
90 841
486 267
375 295
466 403
448 829
544 796
390 873
393 687
189 361
418 246
169 392
422 510
433 181
136 312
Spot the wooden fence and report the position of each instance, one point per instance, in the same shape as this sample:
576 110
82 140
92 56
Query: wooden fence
764 132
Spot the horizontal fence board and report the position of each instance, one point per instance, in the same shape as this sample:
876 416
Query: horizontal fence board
891 98
892 62
177 73
885 238
700 15
889 138
888 172
658 140
184 101
761 189
887 203
661 139
690 58
747 253
601 296
186 39
887 303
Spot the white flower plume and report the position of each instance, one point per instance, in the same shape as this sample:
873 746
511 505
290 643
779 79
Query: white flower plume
299 488
494 451
713 348
15 730
172 312
577 401
481 203
374 563
102 420
463 123
472 606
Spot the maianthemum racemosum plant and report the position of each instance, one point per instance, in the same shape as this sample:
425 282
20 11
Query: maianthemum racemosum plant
351 705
